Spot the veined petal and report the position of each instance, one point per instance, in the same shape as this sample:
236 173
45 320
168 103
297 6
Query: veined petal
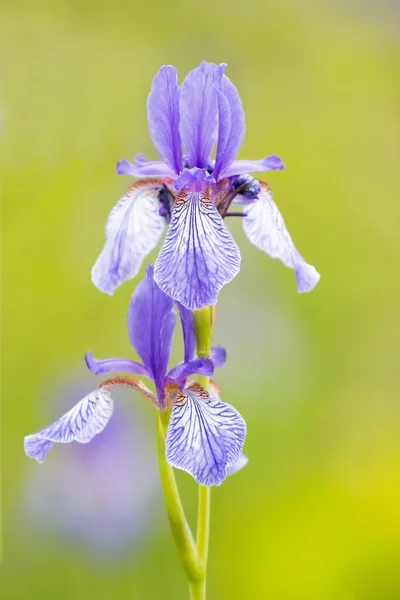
204 436
151 323
266 229
80 424
239 464
242 460
196 366
199 255
232 127
163 116
269 163
144 168
132 231
114 365
199 112
218 356
189 339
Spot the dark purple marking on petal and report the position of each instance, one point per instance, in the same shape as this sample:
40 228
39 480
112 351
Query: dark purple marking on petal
266 229
199 255
151 323
247 186
205 436
163 116
80 424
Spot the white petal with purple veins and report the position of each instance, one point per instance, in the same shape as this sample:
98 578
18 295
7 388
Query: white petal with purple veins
133 229
205 436
199 255
266 229
80 424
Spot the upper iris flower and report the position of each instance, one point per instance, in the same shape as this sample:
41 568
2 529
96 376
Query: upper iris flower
205 436
192 193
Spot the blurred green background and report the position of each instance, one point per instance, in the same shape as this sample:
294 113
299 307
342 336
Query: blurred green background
316 513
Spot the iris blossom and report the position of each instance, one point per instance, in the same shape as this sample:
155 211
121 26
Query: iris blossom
191 193
205 435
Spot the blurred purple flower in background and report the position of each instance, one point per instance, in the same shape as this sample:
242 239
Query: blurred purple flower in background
205 435
99 496
192 193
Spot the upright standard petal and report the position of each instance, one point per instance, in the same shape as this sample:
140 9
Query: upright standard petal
205 436
231 127
266 229
133 229
151 323
163 116
269 163
189 339
114 365
199 255
199 112
80 424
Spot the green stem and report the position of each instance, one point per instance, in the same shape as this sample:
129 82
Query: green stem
193 556
198 590
203 326
179 527
203 523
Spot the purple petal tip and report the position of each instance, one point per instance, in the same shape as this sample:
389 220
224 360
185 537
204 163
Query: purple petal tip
307 277
274 162
123 167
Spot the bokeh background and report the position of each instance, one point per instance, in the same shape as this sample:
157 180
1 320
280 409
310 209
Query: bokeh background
316 513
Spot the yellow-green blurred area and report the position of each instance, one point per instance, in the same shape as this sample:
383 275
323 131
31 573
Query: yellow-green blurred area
315 515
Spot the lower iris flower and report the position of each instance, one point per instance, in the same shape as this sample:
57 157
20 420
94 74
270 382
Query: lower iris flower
205 436
191 193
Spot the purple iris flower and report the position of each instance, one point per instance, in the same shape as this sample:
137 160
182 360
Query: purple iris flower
205 436
192 193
